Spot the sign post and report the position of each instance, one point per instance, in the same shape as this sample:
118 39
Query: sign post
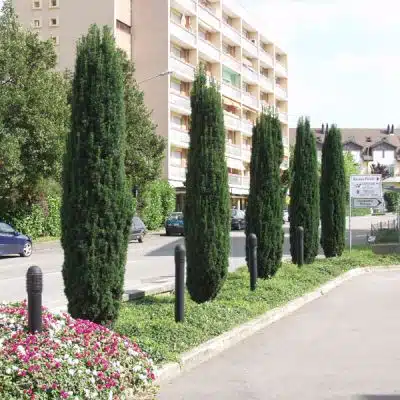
365 192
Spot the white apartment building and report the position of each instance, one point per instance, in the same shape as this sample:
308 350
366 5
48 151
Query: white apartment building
167 39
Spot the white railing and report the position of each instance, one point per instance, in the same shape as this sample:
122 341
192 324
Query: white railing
233 150
177 172
230 32
188 5
246 181
250 47
180 103
283 116
250 100
266 83
208 16
182 34
280 92
182 68
266 57
235 180
179 136
247 127
232 122
209 49
280 68
231 91
250 74
246 154
231 62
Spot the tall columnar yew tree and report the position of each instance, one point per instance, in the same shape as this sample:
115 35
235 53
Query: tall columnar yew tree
333 195
97 205
207 213
265 208
304 193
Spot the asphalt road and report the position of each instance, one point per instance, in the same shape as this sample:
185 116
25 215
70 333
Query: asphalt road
342 346
151 259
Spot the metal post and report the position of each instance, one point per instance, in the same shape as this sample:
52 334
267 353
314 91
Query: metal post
253 260
180 254
34 287
350 238
300 246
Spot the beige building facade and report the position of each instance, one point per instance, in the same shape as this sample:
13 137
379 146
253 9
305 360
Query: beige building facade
167 39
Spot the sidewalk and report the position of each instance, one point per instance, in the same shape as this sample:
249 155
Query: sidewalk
342 346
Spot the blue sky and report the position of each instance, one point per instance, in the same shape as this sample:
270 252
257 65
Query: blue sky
344 62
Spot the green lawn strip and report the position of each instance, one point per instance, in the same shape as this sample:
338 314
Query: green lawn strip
150 321
46 239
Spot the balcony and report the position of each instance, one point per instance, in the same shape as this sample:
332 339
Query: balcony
266 58
250 47
231 33
180 103
231 92
231 62
285 164
233 150
182 69
232 122
180 137
246 181
285 141
209 50
178 173
266 84
280 92
246 154
235 180
249 74
280 69
265 105
247 128
250 101
182 35
184 5
208 16
283 117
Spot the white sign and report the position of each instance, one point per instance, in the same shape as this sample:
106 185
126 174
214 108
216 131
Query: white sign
367 203
366 186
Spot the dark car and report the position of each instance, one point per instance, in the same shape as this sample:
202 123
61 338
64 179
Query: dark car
174 224
138 229
238 219
13 242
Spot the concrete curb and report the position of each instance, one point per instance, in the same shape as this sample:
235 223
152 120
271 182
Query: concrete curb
215 346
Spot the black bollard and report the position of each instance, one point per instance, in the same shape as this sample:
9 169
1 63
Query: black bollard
180 254
34 287
253 261
300 246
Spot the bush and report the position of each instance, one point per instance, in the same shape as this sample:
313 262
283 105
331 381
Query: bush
391 199
70 359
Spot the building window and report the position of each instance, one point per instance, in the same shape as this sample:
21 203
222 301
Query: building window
53 21
55 40
175 85
176 158
37 4
54 4
37 23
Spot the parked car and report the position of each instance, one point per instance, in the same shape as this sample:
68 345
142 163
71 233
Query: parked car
13 242
238 220
174 224
138 229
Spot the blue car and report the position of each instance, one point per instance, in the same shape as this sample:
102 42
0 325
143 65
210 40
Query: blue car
13 242
174 224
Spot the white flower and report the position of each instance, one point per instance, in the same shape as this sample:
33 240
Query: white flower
136 368
132 352
71 372
94 373
8 371
21 349
92 380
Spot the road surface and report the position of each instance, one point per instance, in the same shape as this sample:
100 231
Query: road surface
342 346
151 259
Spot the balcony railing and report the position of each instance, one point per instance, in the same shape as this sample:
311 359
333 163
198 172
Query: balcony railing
188 5
280 92
232 122
180 136
246 154
231 62
266 58
246 181
182 68
250 74
233 150
247 127
209 49
283 117
235 180
180 103
250 47
250 100
177 172
208 16
231 33
231 91
266 105
266 83
285 141
182 34
280 69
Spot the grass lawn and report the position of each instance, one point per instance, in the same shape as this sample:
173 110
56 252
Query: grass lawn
150 321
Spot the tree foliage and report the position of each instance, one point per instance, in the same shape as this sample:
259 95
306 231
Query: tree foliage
33 114
207 214
97 203
333 195
265 207
380 169
350 168
304 193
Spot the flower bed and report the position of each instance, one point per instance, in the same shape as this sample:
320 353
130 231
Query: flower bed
70 359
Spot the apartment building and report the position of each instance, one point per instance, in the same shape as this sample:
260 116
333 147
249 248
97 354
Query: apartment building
167 39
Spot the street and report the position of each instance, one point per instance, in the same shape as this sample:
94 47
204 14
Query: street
152 259
341 346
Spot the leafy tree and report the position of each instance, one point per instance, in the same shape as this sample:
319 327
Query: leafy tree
265 207
380 169
33 114
304 193
333 194
350 168
207 213
97 204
